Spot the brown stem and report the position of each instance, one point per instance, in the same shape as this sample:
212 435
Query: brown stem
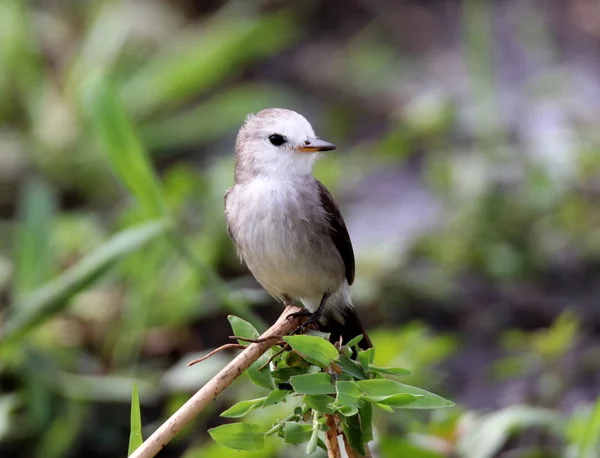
216 385
215 351
353 453
259 340
331 442
273 357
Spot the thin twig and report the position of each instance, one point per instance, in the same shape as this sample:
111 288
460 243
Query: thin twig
273 357
215 386
331 442
259 340
215 351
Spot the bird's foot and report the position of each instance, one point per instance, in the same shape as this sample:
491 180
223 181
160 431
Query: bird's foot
311 323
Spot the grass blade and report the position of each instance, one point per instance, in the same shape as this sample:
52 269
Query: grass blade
121 144
33 256
52 297
135 435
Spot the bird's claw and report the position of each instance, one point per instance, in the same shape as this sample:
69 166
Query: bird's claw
312 322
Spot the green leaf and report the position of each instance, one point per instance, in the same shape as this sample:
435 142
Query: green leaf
135 435
347 411
366 358
121 144
295 433
348 394
352 368
588 439
395 400
243 407
243 328
319 402
353 432
239 436
275 397
33 256
391 370
285 373
51 298
383 387
366 421
319 383
384 407
355 341
315 350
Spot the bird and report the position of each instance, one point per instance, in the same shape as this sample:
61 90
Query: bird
287 227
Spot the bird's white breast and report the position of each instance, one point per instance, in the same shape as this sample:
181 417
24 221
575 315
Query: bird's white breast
280 231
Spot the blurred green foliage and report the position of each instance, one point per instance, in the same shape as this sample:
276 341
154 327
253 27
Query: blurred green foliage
116 129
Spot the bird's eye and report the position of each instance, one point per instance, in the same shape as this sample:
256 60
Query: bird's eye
277 139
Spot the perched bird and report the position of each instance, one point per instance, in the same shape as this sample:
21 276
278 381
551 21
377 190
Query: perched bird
285 224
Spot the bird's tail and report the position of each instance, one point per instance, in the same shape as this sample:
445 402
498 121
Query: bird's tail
348 329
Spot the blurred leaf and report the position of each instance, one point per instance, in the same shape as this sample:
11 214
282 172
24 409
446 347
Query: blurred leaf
588 438
348 394
51 298
347 411
275 397
33 255
180 377
319 383
243 407
239 436
353 432
487 434
382 387
391 370
296 433
8 402
209 121
223 48
135 434
121 144
319 402
315 350
242 328
354 341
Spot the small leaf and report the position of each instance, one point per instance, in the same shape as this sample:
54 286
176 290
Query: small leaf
283 374
353 432
295 433
366 421
243 328
352 368
391 370
347 411
135 435
383 387
355 341
384 407
315 350
319 383
243 407
396 400
366 358
348 394
319 402
239 436
276 396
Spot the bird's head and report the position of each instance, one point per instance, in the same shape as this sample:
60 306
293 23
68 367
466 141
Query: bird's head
277 142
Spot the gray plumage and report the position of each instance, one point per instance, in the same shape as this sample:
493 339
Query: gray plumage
285 224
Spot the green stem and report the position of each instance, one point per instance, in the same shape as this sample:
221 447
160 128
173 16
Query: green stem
278 426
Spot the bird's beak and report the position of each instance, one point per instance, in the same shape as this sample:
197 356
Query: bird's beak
313 145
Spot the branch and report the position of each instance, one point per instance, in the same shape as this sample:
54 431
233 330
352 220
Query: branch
197 403
331 441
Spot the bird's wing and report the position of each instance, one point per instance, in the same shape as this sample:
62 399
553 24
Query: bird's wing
229 231
337 231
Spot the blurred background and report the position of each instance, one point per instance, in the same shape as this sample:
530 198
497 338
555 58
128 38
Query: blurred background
467 169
